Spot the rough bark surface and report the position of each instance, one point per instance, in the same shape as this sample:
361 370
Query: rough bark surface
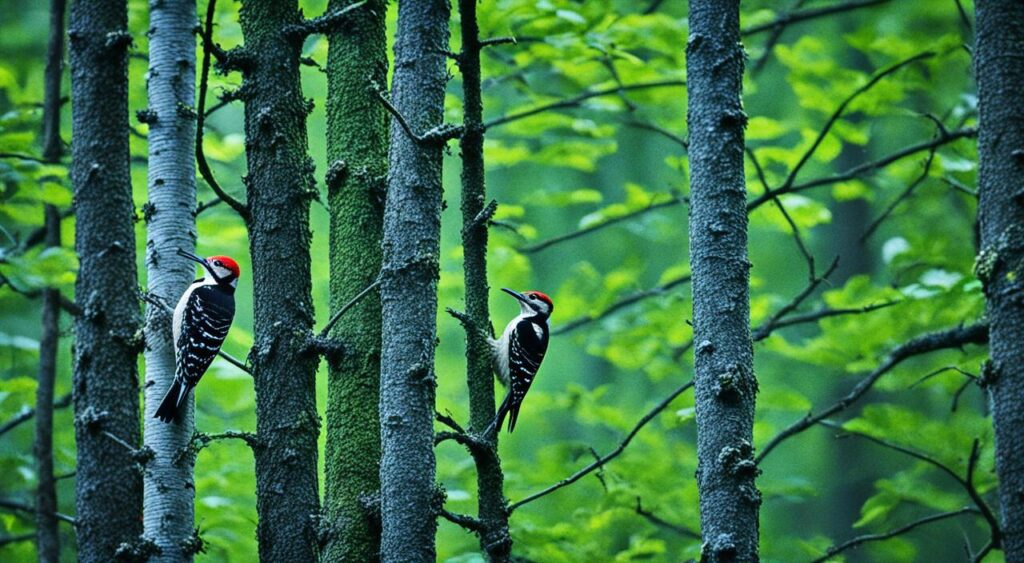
491 504
412 229
108 339
169 511
47 533
999 60
725 385
279 187
357 148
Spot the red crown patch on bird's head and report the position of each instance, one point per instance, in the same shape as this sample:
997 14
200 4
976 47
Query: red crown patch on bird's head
543 297
224 262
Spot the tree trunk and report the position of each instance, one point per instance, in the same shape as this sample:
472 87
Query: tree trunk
724 374
999 59
280 186
108 332
491 504
412 230
357 148
47 533
169 489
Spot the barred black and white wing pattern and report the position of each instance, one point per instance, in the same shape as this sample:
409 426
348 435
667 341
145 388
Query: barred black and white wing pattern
205 322
526 351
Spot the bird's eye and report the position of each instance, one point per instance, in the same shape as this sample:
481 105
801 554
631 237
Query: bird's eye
217 263
534 297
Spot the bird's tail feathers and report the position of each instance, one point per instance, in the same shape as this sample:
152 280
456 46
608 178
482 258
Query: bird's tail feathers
170 408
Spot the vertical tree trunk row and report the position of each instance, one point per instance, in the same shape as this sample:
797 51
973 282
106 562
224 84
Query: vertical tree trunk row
412 229
107 332
492 506
280 187
725 386
169 490
999 60
357 150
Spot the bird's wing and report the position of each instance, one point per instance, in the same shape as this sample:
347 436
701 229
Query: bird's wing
206 320
524 358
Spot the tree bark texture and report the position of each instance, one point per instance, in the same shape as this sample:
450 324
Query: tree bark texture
412 229
47 532
108 338
357 148
491 504
169 511
725 385
280 186
999 60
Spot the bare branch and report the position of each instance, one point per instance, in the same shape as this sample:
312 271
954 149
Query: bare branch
783 20
20 507
440 134
951 338
769 325
495 41
808 257
578 99
661 131
600 462
866 538
664 524
624 302
903 196
204 82
27 413
345 308
463 520
823 313
327 23
675 199
25 157
866 167
838 113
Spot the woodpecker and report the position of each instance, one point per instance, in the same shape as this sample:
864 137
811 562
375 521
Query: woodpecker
200 323
519 352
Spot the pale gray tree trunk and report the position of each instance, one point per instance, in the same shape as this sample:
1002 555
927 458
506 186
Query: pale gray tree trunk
725 386
999 60
108 335
412 231
170 220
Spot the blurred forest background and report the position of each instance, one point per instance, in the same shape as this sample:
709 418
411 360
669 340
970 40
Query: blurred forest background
612 168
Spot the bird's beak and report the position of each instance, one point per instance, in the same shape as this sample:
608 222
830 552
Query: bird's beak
194 258
516 294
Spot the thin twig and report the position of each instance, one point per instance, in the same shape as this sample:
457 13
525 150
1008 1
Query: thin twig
440 134
676 199
464 520
600 462
769 325
866 538
20 507
839 111
27 413
941 340
576 100
664 524
773 39
808 257
345 308
901 198
661 131
824 313
624 302
856 171
326 23
201 163
783 20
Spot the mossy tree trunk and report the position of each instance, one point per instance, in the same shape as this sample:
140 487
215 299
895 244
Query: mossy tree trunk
357 150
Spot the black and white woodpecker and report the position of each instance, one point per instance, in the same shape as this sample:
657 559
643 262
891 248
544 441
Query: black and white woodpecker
519 352
200 323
